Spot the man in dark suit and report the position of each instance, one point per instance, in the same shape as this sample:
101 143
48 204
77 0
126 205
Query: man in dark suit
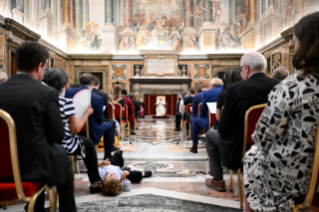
97 125
226 144
201 122
179 111
131 114
188 100
137 105
35 110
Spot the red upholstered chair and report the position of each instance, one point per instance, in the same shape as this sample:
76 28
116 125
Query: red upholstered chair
251 118
9 165
125 119
310 198
111 111
118 117
188 111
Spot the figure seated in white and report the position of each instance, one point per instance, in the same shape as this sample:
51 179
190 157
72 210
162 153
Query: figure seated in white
160 107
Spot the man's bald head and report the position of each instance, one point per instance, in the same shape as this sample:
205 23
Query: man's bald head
280 73
87 79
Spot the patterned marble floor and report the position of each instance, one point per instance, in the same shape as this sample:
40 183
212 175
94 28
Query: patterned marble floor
178 181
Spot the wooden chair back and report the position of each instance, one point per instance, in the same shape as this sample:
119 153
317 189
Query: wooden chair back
118 112
111 111
189 108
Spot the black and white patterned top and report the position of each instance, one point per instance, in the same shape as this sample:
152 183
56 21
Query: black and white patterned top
277 168
70 142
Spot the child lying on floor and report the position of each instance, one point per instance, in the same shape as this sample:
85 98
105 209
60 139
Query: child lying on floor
116 180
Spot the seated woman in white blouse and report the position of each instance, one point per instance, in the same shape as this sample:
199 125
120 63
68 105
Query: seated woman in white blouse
74 144
277 168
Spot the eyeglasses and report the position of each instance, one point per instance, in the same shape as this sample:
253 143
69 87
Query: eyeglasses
240 68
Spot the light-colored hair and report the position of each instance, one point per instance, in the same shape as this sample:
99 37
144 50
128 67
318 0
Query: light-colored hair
280 73
117 93
111 187
255 61
3 77
216 82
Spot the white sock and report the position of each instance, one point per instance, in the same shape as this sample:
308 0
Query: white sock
143 174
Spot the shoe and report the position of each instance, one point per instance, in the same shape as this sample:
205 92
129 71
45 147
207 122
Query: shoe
96 189
116 149
127 168
148 174
133 133
177 130
216 185
193 149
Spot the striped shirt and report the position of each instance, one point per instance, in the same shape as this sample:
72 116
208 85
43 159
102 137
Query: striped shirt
70 142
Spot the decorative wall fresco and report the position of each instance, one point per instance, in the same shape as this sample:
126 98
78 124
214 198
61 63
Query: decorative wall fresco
128 26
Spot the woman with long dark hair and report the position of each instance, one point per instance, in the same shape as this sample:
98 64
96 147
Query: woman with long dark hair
74 144
277 168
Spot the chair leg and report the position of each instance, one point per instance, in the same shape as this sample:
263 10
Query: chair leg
190 129
56 199
72 161
240 192
33 199
231 180
52 200
295 208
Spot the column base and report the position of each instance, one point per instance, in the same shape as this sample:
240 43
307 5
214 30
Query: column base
68 39
46 25
17 15
109 39
188 33
249 37
207 36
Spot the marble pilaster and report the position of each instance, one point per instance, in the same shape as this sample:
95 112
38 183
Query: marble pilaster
188 13
251 17
68 38
66 11
128 15
72 13
26 13
208 17
108 30
79 16
8 2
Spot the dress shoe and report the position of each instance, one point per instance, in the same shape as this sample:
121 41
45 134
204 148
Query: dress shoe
193 149
116 149
216 185
133 133
148 174
177 130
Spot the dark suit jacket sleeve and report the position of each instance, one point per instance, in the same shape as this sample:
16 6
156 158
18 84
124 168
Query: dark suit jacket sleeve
204 109
226 122
54 126
106 103
99 115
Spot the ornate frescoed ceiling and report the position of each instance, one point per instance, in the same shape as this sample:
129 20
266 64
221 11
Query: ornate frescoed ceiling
128 26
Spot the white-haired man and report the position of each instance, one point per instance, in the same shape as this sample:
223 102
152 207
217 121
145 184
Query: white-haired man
280 73
225 145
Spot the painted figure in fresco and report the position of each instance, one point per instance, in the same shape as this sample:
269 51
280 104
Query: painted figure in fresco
3 11
148 21
92 36
199 11
141 38
174 39
218 11
243 17
290 11
226 40
191 44
181 25
159 36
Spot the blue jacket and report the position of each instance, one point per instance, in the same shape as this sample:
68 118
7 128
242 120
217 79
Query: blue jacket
97 118
198 98
209 96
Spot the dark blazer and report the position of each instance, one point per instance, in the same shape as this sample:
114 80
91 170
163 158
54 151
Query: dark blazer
35 110
239 98
96 119
137 107
198 98
105 101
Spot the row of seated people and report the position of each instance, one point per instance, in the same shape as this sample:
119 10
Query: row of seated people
46 129
277 167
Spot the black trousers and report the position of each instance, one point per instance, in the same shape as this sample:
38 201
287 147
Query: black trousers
178 118
90 160
66 195
118 160
213 147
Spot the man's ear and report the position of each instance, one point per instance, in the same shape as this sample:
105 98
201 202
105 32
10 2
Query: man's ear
38 67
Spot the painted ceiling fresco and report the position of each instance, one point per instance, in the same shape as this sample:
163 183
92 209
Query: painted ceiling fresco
179 25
